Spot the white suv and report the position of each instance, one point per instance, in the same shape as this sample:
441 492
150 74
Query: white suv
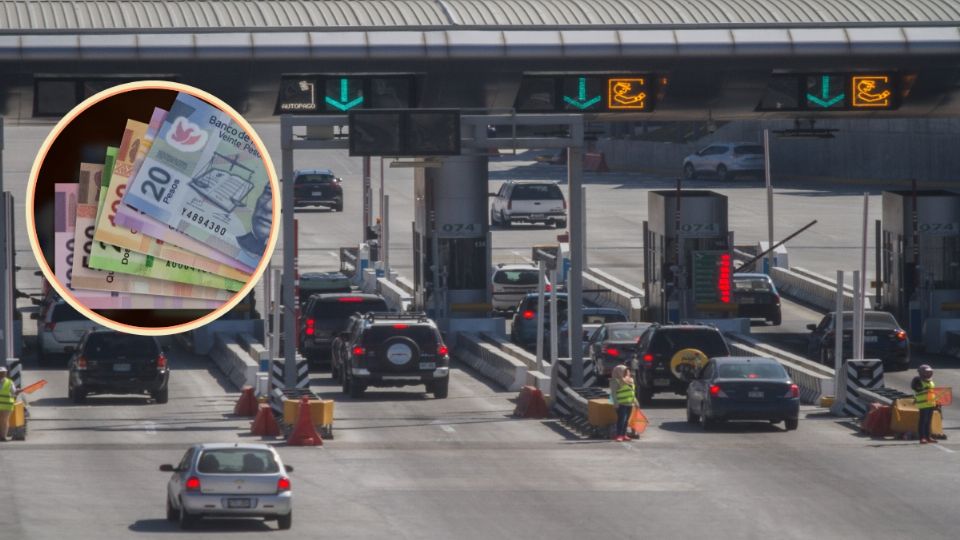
512 282
60 329
529 202
726 160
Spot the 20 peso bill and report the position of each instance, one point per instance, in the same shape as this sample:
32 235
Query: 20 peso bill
121 249
204 177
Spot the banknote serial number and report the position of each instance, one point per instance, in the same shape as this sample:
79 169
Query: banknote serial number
203 221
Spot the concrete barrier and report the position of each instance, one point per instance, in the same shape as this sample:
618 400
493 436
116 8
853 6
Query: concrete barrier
396 298
486 358
256 350
811 288
234 361
609 291
404 284
813 383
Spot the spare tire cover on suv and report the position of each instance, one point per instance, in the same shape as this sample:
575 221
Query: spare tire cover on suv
687 361
399 353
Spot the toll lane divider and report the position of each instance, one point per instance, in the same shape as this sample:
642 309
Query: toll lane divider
811 288
813 382
605 290
538 379
396 297
234 360
487 358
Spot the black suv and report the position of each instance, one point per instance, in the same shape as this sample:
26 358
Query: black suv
317 187
394 349
110 362
325 317
666 357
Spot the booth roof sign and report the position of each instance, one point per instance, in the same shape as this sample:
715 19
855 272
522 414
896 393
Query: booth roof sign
587 93
342 93
830 92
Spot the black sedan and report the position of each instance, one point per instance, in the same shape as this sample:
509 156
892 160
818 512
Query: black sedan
614 343
883 338
743 388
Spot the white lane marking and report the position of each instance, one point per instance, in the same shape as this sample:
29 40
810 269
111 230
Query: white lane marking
448 429
945 449
150 428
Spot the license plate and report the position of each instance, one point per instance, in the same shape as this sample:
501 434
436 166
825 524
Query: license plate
755 394
428 365
121 367
318 194
400 378
869 339
238 503
747 301
661 382
536 216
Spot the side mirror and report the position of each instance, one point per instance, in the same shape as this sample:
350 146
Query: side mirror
811 326
288 468
166 467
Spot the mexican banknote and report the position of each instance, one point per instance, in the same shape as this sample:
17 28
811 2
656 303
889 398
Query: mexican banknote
204 177
169 238
121 249
66 195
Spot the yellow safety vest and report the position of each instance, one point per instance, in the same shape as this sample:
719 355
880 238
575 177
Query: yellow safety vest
925 398
625 394
6 395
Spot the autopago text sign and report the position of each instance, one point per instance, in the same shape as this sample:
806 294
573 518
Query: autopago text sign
344 93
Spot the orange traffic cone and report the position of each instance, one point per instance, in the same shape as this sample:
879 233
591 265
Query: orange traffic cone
304 433
247 404
265 424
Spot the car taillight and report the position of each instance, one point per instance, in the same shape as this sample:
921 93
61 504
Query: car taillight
442 350
309 330
401 326
50 326
612 352
283 484
793 391
716 391
528 315
192 484
81 363
350 299
358 351
648 358
547 288
901 335
161 361
776 298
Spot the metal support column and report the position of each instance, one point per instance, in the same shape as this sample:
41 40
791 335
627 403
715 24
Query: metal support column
367 199
385 237
7 297
541 273
286 187
575 278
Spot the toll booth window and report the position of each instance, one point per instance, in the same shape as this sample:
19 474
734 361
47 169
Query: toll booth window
751 285
536 192
466 263
748 150
54 97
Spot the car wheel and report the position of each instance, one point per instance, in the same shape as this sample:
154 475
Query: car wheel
172 514
439 388
504 222
186 519
493 218
334 370
355 388
705 421
77 396
691 417
285 522
723 173
776 319
689 171
791 423
161 396
338 206
344 382
824 359
560 224
644 395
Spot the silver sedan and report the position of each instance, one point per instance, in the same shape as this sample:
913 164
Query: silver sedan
229 480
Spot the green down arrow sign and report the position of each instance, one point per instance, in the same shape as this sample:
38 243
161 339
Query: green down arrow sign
582 103
344 103
825 100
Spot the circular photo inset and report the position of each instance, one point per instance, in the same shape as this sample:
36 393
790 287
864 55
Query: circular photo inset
152 208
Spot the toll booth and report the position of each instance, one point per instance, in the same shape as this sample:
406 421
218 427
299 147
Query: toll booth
920 262
451 246
686 256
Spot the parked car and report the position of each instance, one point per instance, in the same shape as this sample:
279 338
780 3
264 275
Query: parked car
614 343
229 480
743 388
395 349
668 354
325 317
756 297
726 160
511 282
111 362
529 202
60 329
883 338
523 327
317 187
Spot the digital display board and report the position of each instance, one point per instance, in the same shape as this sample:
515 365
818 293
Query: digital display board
405 132
830 92
589 93
338 94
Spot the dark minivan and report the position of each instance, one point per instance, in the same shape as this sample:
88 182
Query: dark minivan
326 316
111 362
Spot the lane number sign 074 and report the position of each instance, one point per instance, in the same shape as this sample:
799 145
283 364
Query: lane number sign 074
460 229
939 229
699 229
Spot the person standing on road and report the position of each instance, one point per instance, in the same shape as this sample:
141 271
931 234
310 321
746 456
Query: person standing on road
8 396
623 391
926 401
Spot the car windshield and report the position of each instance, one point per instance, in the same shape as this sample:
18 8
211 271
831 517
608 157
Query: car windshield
337 309
748 149
65 313
425 336
531 304
605 317
872 319
709 342
516 277
626 334
752 285
237 460
536 192
752 370
109 345
316 179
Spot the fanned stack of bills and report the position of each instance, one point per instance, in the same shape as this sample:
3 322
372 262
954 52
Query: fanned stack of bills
176 217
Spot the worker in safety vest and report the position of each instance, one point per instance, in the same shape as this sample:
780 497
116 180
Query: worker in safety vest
926 401
623 391
8 395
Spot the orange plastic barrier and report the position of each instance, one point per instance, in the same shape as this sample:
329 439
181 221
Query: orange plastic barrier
247 404
304 432
265 424
530 403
